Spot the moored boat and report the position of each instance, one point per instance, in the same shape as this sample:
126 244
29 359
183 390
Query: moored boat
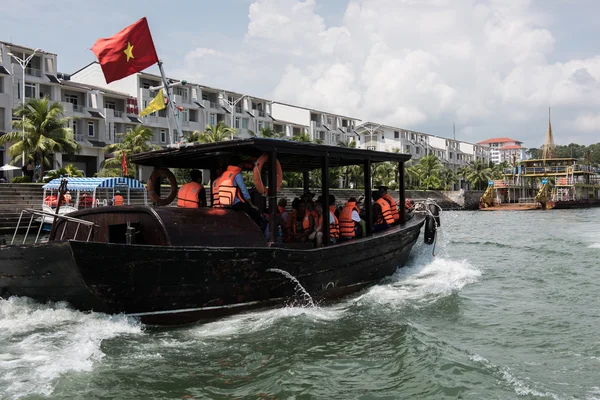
171 265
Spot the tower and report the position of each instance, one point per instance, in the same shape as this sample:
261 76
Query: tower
548 147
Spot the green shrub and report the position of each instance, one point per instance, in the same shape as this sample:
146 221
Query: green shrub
21 179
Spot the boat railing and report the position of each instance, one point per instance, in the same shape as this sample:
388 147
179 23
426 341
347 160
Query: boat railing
41 214
527 200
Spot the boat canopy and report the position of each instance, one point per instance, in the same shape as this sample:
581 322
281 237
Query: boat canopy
92 184
293 156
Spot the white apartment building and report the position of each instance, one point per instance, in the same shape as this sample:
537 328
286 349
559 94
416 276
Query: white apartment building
505 149
453 153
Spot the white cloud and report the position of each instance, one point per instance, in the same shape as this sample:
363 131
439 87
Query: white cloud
415 64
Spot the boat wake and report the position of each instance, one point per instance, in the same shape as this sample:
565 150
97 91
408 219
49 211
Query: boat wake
39 343
425 279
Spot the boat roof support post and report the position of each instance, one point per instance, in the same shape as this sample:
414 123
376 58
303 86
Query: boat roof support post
306 181
213 177
325 193
368 199
272 194
402 194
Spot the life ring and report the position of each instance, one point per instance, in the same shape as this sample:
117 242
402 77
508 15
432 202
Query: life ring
154 182
258 165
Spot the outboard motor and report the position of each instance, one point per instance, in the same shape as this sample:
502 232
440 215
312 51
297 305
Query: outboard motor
432 221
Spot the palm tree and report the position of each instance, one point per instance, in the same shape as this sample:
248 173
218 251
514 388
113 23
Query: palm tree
136 140
303 138
478 175
214 133
46 133
267 132
448 178
429 168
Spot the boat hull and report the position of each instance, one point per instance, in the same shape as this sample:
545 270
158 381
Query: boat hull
168 285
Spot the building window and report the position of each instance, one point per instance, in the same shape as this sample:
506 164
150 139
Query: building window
110 105
69 98
396 135
74 128
184 115
329 121
204 97
244 123
1 84
370 147
90 129
163 136
183 92
212 119
145 85
418 150
237 123
29 90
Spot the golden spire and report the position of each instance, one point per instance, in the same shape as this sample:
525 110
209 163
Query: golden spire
548 147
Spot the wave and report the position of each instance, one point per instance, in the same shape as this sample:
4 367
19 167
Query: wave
520 387
41 342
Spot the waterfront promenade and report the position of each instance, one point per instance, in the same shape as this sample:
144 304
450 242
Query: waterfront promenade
15 197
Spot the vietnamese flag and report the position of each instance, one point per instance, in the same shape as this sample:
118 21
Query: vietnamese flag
124 164
129 51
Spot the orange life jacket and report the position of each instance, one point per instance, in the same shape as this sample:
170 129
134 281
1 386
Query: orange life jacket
334 230
227 189
118 200
290 223
347 224
306 220
393 206
187 196
332 208
215 192
51 201
386 213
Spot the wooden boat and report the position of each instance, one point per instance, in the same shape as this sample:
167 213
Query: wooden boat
170 265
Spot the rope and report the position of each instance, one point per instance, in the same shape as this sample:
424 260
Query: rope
423 208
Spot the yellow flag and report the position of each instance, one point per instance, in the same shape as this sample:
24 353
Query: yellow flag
158 103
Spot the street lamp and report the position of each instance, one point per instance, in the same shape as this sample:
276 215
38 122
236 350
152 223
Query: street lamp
23 63
231 104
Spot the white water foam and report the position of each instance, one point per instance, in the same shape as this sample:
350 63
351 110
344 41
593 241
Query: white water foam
520 387
39 343
594 246
262 320
423 280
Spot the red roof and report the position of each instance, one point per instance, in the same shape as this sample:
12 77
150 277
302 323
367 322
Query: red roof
510 147
498 140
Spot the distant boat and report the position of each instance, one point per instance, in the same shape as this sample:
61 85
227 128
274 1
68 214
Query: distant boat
544 183
87 193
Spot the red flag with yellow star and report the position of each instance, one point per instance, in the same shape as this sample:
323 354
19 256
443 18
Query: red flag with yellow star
129 51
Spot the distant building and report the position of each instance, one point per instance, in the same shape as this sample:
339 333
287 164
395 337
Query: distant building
505 149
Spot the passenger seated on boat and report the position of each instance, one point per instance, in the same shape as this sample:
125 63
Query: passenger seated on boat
192 194
303 223
290 221
334 227
117 199
383 190
85 201
67 198
382 215
234 194
349 220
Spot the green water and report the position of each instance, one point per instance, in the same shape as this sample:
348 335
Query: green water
508 309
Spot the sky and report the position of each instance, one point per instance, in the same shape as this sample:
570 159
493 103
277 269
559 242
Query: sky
491 67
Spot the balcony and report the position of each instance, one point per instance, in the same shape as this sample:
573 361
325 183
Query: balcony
238 109
260 113
33 72
185 123
118 114
80 138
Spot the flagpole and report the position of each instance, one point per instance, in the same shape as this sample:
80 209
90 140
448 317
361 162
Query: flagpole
171 105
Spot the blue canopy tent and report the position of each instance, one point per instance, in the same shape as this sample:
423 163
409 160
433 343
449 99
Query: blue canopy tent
93 185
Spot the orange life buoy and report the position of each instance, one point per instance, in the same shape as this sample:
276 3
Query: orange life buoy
154 182
258 165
